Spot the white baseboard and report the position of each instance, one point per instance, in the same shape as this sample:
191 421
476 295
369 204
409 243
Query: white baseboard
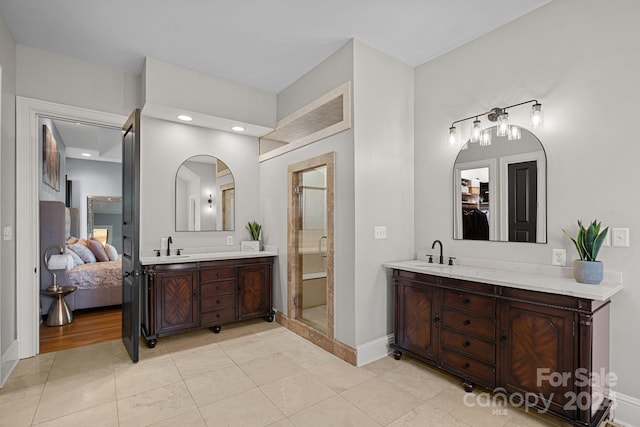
626 409
9 362
374 350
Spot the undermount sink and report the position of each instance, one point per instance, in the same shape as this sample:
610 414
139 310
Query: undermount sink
426 264
174 256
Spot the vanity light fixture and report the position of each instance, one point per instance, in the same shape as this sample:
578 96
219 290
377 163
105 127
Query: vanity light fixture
503 128
210 201
185 118
237 129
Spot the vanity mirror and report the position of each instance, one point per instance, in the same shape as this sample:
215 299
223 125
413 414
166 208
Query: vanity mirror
205 195
500 189
104 219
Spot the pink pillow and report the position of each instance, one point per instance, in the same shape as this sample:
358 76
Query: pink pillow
98 250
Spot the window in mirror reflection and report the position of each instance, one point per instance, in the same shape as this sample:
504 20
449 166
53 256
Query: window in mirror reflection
205 195
500 190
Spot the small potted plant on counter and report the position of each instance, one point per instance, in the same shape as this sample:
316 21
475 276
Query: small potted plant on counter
254 230
588 243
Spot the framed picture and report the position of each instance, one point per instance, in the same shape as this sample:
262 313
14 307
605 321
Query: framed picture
50 159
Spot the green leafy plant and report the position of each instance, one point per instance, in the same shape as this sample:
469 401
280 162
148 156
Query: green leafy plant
254 229
588 240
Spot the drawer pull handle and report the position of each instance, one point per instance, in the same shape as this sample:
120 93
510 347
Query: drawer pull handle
466 366
466 344
436 319
218 315
217 288
466 301
217 301
218 274
466 322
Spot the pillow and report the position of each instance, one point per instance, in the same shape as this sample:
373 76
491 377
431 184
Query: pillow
76 259
111 251
83 252
98 250
71 240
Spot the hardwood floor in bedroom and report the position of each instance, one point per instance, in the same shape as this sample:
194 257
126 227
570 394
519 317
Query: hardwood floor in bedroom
88 327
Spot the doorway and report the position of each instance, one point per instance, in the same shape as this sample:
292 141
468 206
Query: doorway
310 242
28 112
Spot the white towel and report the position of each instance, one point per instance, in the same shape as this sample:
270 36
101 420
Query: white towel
60 262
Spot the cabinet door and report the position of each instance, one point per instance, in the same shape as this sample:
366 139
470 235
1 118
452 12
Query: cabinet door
537 353
177 301
417 319
254 285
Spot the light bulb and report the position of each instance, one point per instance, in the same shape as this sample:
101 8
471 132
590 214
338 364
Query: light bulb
485 139
476 131
514 133
502 128
453 136
537 116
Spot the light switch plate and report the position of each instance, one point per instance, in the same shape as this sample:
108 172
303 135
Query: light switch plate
229 240
380 232
7 233
559 257
620 237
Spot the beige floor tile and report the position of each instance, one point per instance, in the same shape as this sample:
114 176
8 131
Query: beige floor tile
261 325
308 355
186 341
282 339
39 363
334 411
135 378
480 410
295 393
251 408
382 400
380 366
270 368
76 393
340 375
198 361
532 419
421 382
247 348
155 405
282 422
217 385
190 418
82 359
448 399
101 416
18 410
427 415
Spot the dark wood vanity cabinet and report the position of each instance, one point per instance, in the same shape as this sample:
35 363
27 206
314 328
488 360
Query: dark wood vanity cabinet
184 296
530 345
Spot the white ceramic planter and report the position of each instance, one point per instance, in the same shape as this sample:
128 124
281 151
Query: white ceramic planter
250 245
589 272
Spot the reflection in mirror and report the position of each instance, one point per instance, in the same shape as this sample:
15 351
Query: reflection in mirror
104 220
500 189
205 195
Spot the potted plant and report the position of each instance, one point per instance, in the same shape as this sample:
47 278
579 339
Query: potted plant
254 230
588 242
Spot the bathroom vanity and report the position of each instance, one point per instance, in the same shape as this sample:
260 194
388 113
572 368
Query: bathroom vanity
541 340
189 292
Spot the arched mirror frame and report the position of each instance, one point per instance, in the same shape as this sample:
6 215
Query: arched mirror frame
498 206
217 194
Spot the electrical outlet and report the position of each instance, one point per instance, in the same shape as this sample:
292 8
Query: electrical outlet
380 232
7 233
559 257
229 240
620 237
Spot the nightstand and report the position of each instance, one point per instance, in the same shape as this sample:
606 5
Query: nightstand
59 313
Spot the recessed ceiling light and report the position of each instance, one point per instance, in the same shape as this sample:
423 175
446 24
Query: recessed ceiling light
86 155
184 118
237 129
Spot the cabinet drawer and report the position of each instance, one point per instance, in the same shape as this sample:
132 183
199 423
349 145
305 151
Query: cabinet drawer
217 302
470 368
468 323
477 304
222 273
217 288
217 317
476 347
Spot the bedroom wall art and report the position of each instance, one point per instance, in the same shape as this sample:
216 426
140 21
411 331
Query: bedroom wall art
50 159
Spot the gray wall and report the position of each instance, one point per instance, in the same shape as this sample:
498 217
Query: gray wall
580 58
164 146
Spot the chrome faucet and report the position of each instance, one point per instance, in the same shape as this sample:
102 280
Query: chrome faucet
169 242
434 246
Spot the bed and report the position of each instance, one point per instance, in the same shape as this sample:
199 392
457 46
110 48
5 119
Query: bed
99 283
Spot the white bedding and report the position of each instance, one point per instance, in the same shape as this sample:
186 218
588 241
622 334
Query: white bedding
96 275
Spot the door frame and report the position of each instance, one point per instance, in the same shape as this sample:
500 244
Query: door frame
294 272
28 110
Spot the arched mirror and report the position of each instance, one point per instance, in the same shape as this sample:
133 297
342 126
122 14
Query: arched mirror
205 195
500 189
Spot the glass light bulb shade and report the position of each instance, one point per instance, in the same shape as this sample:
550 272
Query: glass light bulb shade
514 133
453 136
476 131
485 139
537 116
502 128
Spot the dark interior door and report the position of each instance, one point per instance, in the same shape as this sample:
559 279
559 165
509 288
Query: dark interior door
523 201
130 234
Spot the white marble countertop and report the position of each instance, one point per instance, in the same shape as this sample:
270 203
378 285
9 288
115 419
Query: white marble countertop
208 256
533 281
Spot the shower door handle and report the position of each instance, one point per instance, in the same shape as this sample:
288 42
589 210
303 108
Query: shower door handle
320 246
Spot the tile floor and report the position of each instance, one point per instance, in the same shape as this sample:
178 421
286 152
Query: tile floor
251 374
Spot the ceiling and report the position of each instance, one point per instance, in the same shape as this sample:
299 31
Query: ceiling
264 44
